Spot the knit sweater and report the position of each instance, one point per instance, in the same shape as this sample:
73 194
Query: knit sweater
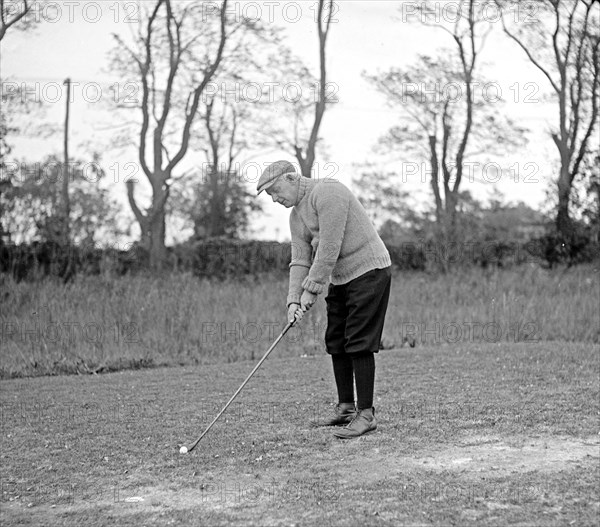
332 238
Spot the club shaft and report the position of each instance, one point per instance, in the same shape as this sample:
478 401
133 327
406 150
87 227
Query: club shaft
264 357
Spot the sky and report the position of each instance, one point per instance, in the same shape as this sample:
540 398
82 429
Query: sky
370 36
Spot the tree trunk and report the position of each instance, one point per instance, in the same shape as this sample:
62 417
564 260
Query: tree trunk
158 250
152 224
435 169
450 217
215 228
563 220
565 181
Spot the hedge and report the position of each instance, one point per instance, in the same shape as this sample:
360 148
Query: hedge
223 258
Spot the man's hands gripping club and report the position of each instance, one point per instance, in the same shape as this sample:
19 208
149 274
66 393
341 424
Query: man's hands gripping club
296 311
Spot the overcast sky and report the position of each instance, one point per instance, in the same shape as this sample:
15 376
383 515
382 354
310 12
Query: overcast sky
367 36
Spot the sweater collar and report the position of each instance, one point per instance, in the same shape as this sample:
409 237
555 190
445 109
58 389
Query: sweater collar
305 185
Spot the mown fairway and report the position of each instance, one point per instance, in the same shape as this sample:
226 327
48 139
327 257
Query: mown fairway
470 434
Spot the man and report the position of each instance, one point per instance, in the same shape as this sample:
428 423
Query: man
334 241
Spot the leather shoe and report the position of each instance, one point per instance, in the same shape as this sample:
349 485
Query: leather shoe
342 415
364 421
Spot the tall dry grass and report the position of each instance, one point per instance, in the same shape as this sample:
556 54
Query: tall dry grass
525 303
96 324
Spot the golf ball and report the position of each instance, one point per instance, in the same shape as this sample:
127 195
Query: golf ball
183 450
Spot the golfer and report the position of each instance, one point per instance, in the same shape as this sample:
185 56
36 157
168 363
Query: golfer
333 241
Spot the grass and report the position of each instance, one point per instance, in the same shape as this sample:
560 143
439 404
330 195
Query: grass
101 324
478 433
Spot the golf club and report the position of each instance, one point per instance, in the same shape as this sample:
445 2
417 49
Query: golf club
190 447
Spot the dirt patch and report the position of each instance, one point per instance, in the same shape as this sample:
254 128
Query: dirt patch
473 458
492 454
485 456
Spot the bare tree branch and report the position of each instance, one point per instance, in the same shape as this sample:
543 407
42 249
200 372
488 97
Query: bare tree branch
200 89
7 24
309 158
144 69
532 59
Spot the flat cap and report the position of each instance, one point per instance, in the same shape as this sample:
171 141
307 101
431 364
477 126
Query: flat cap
272 172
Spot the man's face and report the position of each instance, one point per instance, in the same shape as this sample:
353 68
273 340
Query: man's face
284 192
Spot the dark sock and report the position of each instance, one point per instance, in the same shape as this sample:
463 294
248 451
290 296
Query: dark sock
342 371
364 373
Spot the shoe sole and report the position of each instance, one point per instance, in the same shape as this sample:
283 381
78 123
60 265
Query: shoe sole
322 425
355 437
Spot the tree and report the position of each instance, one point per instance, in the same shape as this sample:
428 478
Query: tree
469 44
564 46
501 221
305 154
161 49
298 114
231 121
32 205
220 210
584 204
219 124
444 125
496 222
218 202
381 196
15 13
444 120
590 201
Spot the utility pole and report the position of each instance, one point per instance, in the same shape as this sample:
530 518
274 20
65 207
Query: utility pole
66 212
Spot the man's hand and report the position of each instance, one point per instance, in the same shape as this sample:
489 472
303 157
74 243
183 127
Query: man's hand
307 300
295 313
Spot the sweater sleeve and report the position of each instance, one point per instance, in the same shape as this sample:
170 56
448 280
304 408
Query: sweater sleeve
332 212
301 258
